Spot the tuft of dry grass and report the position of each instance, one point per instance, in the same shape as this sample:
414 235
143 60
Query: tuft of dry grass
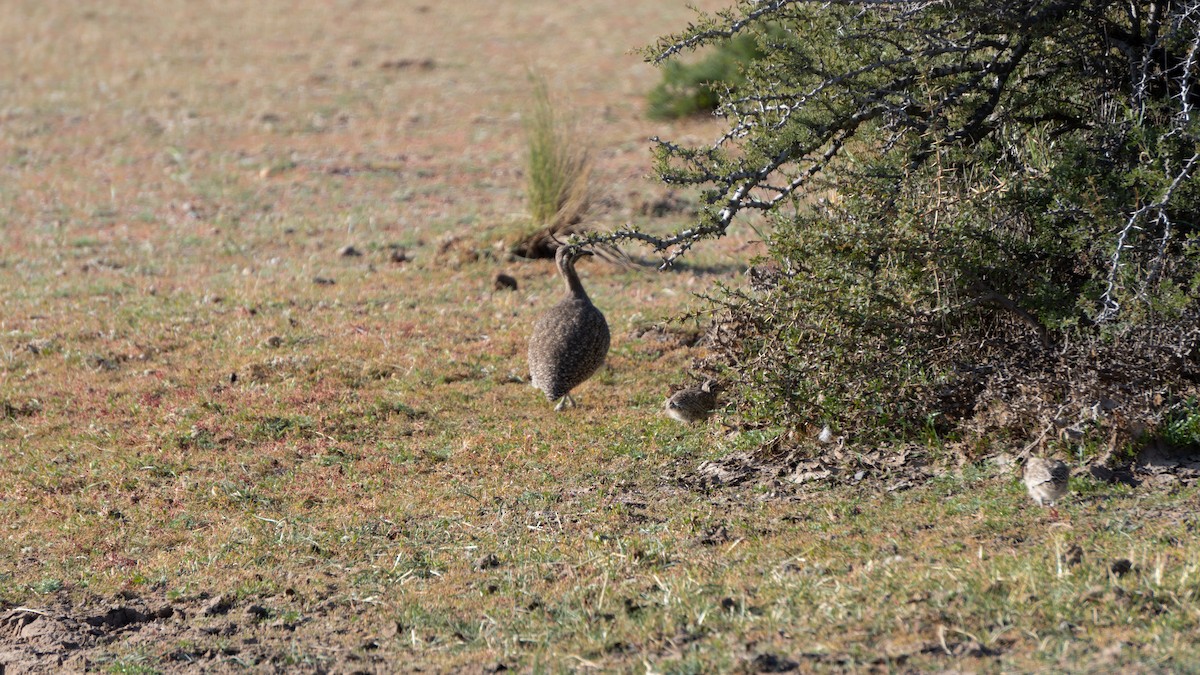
558 166
557 176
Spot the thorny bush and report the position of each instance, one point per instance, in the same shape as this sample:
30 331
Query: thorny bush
982 214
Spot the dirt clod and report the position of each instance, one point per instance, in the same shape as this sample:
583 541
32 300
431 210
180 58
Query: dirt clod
505 282
39 345
487 562
1074 555
218 605
772 663
408 64
117 617
714 536
1121 567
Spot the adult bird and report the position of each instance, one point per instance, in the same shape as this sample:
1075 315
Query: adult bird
571 339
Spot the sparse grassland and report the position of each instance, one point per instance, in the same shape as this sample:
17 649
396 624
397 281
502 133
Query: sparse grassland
225 444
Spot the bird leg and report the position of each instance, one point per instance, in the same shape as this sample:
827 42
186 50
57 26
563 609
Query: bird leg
564 402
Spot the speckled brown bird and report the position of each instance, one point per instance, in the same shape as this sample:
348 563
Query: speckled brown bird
1046 480
693 404
570 340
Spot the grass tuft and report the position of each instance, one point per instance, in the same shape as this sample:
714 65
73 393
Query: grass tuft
695 88
559 164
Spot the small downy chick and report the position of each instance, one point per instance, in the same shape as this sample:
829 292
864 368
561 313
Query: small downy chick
1046 480
826 435
693 404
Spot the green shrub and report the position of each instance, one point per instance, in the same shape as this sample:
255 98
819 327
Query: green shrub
982 216
696 88
1182 426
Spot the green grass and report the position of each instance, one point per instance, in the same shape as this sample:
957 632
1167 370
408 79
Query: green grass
378 482
695 88
558 166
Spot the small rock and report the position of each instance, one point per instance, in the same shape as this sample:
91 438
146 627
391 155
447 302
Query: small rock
117 617
1004 462
272 342
218 605
348 251
164 612
505 282
770 663
1121 567
257 612
39 345
487 562
714 536
1073 556
399 254
323 281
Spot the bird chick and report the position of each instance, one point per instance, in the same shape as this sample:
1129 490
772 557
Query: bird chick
1046 480
570 340
693 404
826 435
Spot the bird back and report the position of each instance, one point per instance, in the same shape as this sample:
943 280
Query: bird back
569 344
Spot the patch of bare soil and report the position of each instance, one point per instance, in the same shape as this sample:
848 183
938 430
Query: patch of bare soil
782 463
197 634
1165 466
671 337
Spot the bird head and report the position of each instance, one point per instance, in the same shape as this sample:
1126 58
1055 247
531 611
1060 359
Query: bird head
567 254
571 252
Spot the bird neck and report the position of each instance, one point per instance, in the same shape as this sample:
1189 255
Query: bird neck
574 285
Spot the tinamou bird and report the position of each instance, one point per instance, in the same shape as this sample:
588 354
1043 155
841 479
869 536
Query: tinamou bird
570 340
693 404
1046 480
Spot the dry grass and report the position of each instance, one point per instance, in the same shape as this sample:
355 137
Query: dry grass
176 179
558 165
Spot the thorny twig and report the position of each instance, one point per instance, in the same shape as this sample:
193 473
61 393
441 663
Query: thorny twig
1111 306
1182 20
969 64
